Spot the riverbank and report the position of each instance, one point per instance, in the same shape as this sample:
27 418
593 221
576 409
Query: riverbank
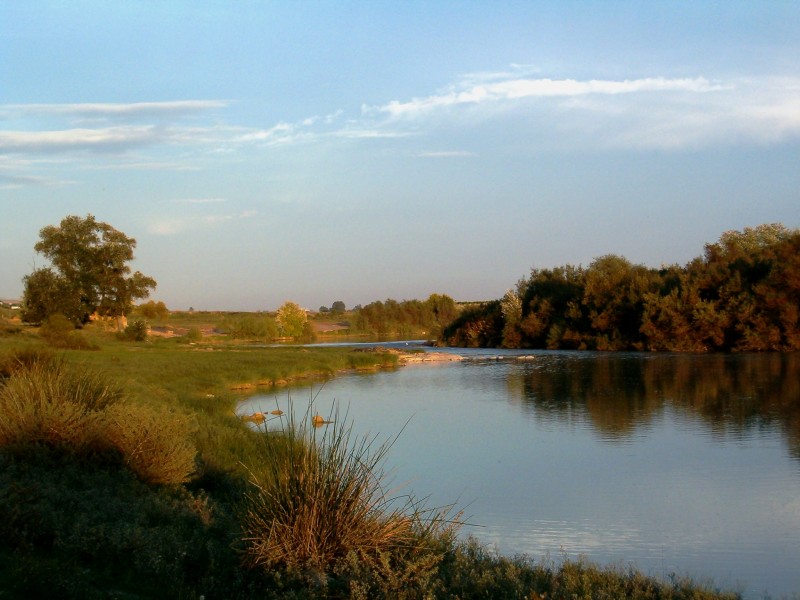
82 525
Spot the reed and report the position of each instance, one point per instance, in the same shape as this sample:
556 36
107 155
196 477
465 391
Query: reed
323 498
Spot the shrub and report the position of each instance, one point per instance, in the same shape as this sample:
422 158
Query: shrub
59 332
47 404
153 443
153 310
321 501
194 335
136 331
77 412
22 359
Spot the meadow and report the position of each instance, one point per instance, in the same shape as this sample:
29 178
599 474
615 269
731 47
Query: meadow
126 473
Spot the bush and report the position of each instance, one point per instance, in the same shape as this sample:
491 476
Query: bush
47 404
194 335
136 331
76 530
77 412
59 332
23 359
320 504
154 443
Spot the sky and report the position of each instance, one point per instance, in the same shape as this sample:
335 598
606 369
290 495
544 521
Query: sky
261 151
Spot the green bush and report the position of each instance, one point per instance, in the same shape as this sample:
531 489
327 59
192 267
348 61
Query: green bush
71 529
194 335
136 331
59 332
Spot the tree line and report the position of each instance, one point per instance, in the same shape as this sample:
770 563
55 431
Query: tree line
405 318
741 295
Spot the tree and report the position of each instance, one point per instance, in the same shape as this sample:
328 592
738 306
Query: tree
153 310
338 307
47 294
292 320
89 270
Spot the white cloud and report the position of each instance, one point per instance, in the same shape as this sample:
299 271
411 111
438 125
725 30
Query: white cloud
77 139
176 225
367 133
110 109
15 181
517 89
446 154
650 112
199 200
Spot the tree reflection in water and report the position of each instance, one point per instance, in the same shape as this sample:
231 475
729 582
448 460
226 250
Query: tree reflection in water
619 395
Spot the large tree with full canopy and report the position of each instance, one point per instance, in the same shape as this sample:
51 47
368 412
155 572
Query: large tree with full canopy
89 273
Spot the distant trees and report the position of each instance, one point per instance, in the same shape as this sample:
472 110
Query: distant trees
743 294
338 307
409 317
153 310
89 273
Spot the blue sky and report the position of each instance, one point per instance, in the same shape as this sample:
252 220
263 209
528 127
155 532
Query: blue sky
318 151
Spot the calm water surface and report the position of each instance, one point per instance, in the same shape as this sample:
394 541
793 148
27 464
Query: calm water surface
681 464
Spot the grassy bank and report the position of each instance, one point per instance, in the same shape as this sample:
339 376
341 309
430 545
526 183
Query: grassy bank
124 473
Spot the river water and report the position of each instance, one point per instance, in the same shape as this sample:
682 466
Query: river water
686 464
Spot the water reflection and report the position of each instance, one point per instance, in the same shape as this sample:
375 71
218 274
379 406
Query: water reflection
619 396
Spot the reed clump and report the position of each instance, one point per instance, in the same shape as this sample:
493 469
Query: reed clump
321 506
45 403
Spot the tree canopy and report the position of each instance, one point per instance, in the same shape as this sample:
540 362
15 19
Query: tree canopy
89 273
741 295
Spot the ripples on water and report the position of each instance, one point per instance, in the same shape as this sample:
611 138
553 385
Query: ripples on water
676 463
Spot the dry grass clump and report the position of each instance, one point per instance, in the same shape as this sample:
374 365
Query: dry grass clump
321 499
154 443
74 410
47 404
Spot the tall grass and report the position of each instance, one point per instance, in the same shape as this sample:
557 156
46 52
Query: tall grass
79 411
322 499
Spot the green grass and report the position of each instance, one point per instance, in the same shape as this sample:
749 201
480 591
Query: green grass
124 473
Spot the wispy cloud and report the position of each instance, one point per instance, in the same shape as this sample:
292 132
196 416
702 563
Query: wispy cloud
172 109
9 181
446 154
176 225
650 112
77 139
198 200
517 89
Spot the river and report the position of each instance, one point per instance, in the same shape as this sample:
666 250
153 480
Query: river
673 463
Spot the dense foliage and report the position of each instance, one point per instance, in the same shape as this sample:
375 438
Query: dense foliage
742 295
393 318
89 273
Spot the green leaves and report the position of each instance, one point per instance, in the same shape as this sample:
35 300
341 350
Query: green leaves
743 294
89 273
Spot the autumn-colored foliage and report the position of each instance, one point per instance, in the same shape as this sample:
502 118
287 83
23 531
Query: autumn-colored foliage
741 295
